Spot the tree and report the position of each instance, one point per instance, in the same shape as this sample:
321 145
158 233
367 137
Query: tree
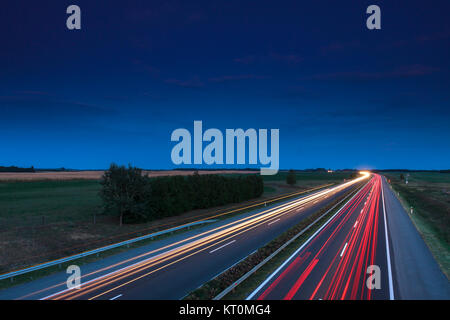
291 178
125 192
402 177
136 198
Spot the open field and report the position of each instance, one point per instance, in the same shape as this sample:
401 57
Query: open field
305 176
428 193
47 219
23 202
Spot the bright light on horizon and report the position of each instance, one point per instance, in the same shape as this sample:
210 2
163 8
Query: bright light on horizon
365 173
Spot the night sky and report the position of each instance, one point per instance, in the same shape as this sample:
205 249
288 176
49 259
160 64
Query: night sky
342 96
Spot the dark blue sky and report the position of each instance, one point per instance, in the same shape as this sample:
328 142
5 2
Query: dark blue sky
342 96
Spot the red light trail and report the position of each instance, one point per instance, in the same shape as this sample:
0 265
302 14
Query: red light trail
333 264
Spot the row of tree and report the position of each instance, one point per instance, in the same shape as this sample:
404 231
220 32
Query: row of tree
135 197
16 169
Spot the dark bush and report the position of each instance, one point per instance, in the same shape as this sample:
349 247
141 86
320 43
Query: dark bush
137 198
291 178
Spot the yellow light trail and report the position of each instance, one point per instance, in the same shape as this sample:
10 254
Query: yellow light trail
217 235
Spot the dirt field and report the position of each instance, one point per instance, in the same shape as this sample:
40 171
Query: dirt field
96 175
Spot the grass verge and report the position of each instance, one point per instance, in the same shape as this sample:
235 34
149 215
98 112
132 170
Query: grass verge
428 195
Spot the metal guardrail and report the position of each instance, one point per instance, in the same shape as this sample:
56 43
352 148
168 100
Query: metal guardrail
91 252
262 263
127 242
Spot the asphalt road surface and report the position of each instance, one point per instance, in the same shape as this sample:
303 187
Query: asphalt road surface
368 250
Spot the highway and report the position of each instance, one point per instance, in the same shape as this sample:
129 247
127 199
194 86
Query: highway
368 250
171 268
370 229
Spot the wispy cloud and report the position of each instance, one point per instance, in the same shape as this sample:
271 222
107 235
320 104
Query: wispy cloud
40 110
33 93
286 58
140 66
245 59
338 46
236 77
194 82
401 72
435 36
298 92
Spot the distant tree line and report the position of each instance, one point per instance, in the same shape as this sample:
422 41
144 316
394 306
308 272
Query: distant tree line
408 170
31 169
16 169
135 197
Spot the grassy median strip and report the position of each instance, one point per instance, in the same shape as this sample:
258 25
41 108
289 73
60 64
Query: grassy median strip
214 287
